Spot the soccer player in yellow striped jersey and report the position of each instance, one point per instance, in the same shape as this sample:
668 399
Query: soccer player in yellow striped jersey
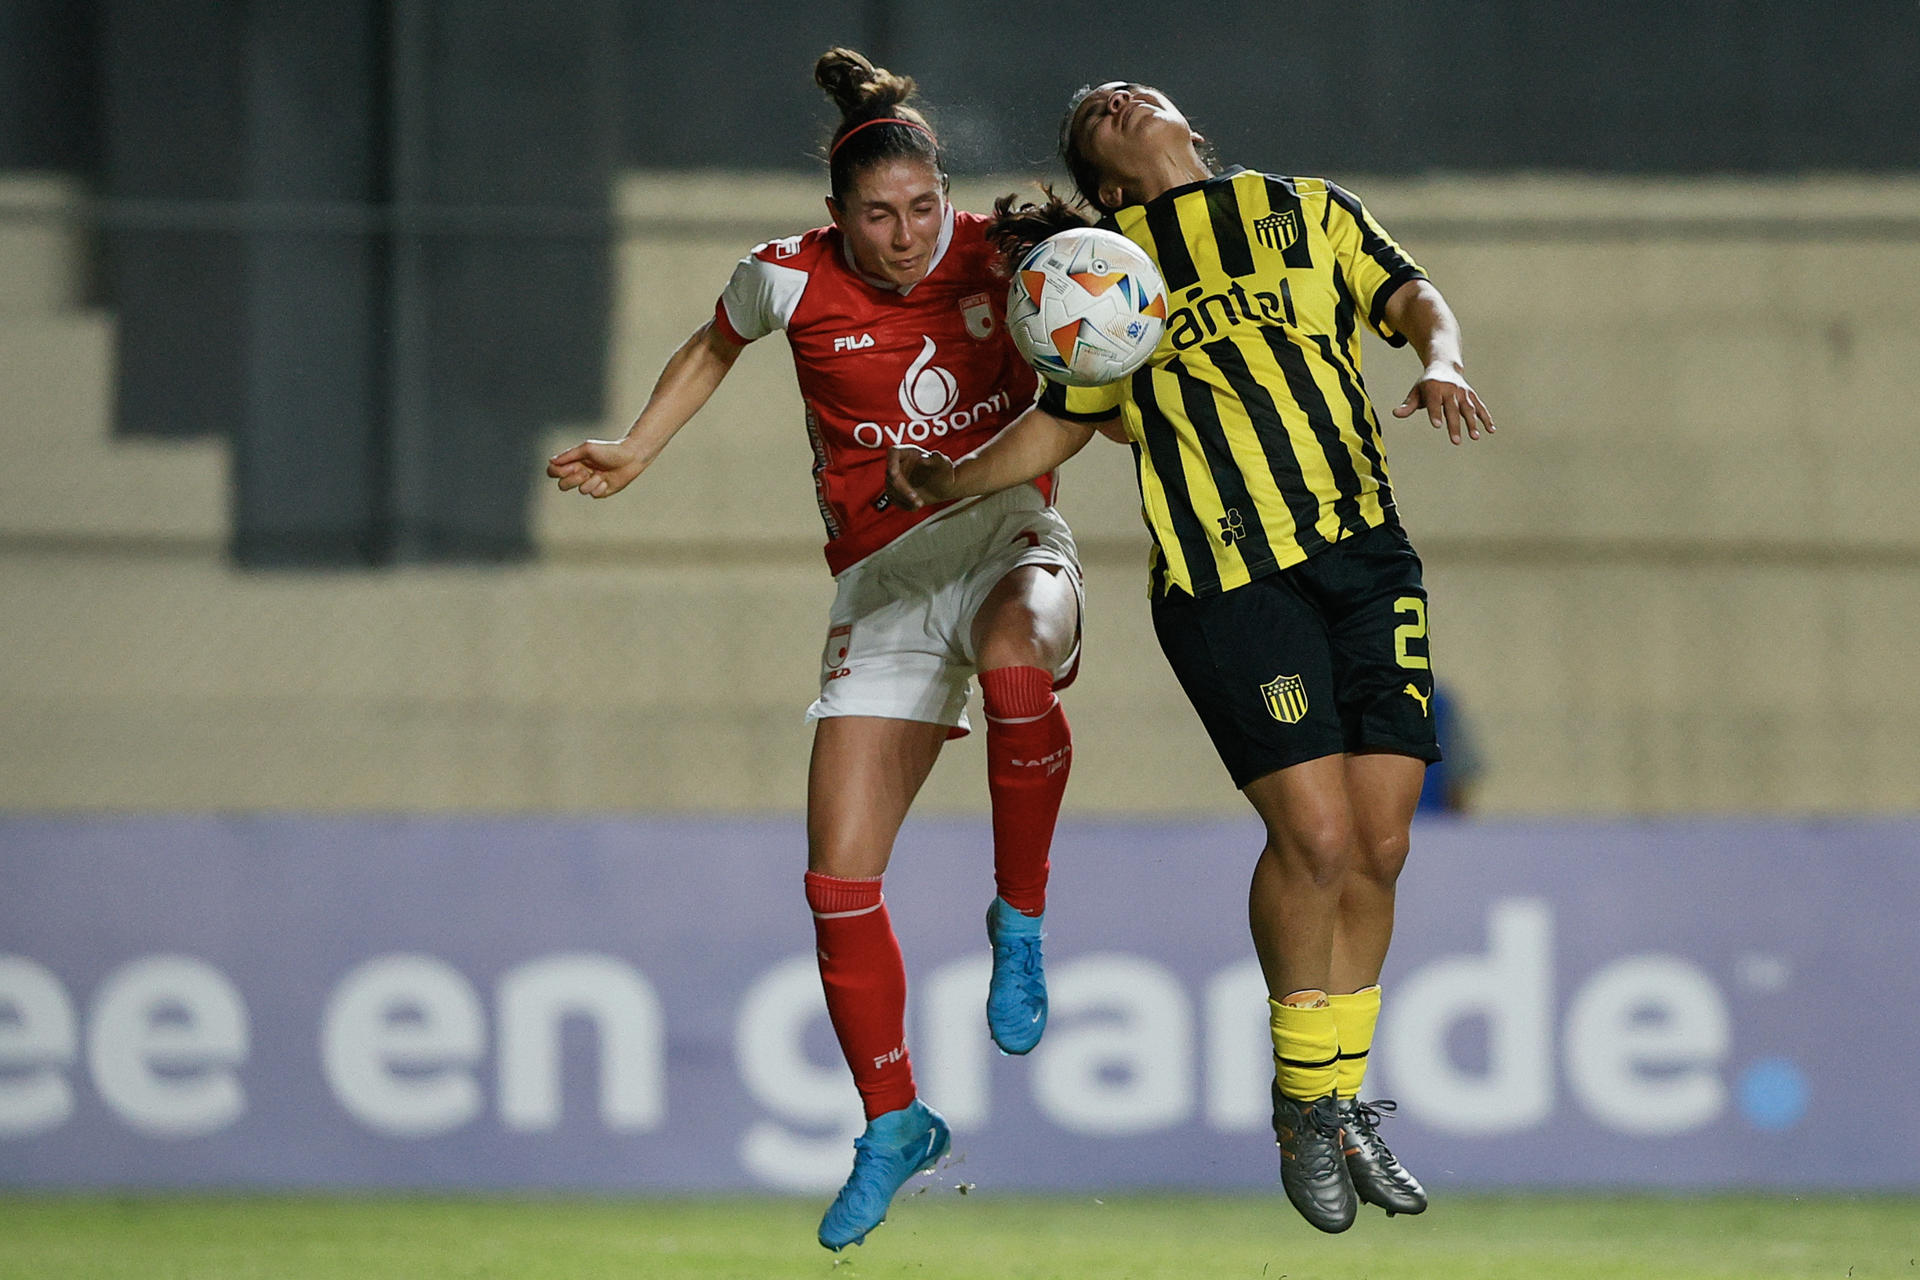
1285 594
1257 446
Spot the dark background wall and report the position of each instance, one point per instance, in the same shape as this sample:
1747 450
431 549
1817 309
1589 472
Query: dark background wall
1385 86
1381 86
340 235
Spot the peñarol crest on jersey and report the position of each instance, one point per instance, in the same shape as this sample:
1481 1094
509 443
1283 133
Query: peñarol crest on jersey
1278 230
1286 698
977 309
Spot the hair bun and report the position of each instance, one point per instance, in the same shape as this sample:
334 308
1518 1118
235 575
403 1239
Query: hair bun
858 87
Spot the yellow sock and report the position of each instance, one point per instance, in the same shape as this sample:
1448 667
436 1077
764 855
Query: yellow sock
1306 1049
1353 1017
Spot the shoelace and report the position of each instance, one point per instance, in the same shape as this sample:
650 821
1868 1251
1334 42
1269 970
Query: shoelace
1023 957
1366 1116
1323 1118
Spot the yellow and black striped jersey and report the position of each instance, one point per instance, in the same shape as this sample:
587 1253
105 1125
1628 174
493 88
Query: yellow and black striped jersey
1253 439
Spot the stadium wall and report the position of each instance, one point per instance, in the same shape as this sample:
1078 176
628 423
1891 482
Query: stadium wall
1678 580
543 1003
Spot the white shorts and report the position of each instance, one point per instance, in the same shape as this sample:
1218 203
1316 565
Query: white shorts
900 634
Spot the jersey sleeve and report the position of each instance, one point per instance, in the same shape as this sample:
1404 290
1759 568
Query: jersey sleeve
1082 404
761 296
1372 263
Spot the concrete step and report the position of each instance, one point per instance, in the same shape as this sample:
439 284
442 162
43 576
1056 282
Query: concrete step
63 474
42 249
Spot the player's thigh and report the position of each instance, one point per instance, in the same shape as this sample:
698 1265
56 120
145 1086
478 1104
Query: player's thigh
888 653
863 777
1021 599
1308 814
1370 590
1031 618
1383 788
1256 665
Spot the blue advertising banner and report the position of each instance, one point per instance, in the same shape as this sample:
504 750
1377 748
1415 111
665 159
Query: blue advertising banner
631 1004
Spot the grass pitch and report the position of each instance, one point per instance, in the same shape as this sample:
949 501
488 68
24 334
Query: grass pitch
943 1236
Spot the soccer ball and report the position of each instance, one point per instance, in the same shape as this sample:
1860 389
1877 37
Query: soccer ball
1086 307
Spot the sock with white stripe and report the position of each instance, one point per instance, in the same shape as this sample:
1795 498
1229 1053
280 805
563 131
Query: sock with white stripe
866 986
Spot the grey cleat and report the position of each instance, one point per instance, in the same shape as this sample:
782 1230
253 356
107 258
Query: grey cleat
1312 1170
1378 1177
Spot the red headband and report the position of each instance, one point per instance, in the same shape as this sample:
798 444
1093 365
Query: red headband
868 124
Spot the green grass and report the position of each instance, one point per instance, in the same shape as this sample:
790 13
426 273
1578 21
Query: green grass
941 1235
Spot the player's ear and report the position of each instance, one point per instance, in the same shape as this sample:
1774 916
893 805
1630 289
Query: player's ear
833 211
1112 195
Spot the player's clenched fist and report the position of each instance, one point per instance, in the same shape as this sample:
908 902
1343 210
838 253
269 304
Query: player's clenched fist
597 468
917 477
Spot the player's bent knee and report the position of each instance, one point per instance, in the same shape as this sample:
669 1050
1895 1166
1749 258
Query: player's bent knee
1024 651
1321 855
1042 646
1383 857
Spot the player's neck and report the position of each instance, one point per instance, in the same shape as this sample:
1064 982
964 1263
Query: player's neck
1170 170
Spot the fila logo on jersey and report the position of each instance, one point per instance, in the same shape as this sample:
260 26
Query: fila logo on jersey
930 402
853 343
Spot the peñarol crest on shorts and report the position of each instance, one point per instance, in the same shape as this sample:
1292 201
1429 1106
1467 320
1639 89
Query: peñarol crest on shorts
1286 698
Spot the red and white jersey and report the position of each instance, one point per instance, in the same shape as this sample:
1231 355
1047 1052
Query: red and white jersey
878 366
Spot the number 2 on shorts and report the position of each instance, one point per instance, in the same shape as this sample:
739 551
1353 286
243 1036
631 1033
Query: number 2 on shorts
1407 632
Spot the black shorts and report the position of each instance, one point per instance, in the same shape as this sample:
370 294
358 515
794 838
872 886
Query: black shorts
1324 657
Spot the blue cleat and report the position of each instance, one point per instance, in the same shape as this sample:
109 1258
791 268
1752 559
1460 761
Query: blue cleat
1017 991
895 1146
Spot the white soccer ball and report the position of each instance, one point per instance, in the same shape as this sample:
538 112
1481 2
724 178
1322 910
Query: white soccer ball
1086 307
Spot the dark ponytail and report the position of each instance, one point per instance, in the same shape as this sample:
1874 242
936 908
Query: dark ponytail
866 94
1016 228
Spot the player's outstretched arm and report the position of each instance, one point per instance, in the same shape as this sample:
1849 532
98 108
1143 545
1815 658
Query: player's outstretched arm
602 468
1417 310
1030 446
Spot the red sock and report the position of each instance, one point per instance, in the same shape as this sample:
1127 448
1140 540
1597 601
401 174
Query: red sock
1029 753
866 985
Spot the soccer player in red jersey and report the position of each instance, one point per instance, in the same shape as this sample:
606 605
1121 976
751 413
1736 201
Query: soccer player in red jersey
895 314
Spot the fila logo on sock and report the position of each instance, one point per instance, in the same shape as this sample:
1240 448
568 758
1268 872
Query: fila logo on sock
891 1056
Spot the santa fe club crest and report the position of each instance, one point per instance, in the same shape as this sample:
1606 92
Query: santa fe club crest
977 309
